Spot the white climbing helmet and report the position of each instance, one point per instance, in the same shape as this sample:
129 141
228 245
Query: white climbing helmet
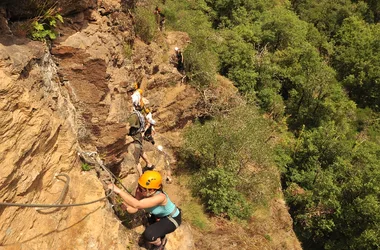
176 48
160 148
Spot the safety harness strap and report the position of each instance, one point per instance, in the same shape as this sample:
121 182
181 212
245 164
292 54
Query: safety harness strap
174 221
170 217
173 212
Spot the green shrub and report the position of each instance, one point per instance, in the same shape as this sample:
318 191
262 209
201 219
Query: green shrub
200 59
267 237
127 50
86 167
43 27
217 189
230 158
193 213
200 65
145 26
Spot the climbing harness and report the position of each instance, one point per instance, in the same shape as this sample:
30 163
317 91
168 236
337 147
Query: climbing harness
170 217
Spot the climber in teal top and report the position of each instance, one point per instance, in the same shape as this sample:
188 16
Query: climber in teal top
162 211
165 216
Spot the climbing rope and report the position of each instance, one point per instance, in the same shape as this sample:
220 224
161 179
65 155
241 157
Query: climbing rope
53 205
95 160
92 155
64 190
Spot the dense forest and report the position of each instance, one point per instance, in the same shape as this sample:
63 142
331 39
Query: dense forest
312 70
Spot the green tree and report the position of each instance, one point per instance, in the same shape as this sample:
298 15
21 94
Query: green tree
327 16
356 58
217 189
222 152
237 60
200 65
200 60
373 10
230 13
292 66
332 187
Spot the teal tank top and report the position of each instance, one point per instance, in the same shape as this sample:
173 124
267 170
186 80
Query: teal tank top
163 211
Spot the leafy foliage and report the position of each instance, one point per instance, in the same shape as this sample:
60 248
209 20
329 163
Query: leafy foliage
145 26
356 57
295 71
127 50
86 167
230 13
43 26
333 190
200 60
373 11
237 60
216 188
200 65
224 152
327 16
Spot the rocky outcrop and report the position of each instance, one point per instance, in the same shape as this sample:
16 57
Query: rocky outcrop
24 9
38 140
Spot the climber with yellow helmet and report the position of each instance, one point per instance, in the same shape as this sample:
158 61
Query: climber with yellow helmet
136 95
165 215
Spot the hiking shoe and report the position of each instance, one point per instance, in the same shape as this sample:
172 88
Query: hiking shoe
163 243
169 180
162 246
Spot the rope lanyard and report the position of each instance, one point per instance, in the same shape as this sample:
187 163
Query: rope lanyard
95 157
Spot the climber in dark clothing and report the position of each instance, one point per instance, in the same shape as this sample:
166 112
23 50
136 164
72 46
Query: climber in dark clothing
179 55
162 21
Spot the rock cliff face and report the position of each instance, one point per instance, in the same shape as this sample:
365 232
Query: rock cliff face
38 140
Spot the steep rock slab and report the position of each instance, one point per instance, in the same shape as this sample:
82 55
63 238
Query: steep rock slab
38 140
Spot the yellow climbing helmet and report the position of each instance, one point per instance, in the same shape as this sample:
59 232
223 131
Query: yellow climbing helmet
140 91
150 180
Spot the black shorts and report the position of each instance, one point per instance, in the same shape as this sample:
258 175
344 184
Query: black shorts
160 228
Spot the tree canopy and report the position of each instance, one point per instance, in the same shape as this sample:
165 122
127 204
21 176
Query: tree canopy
313 68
